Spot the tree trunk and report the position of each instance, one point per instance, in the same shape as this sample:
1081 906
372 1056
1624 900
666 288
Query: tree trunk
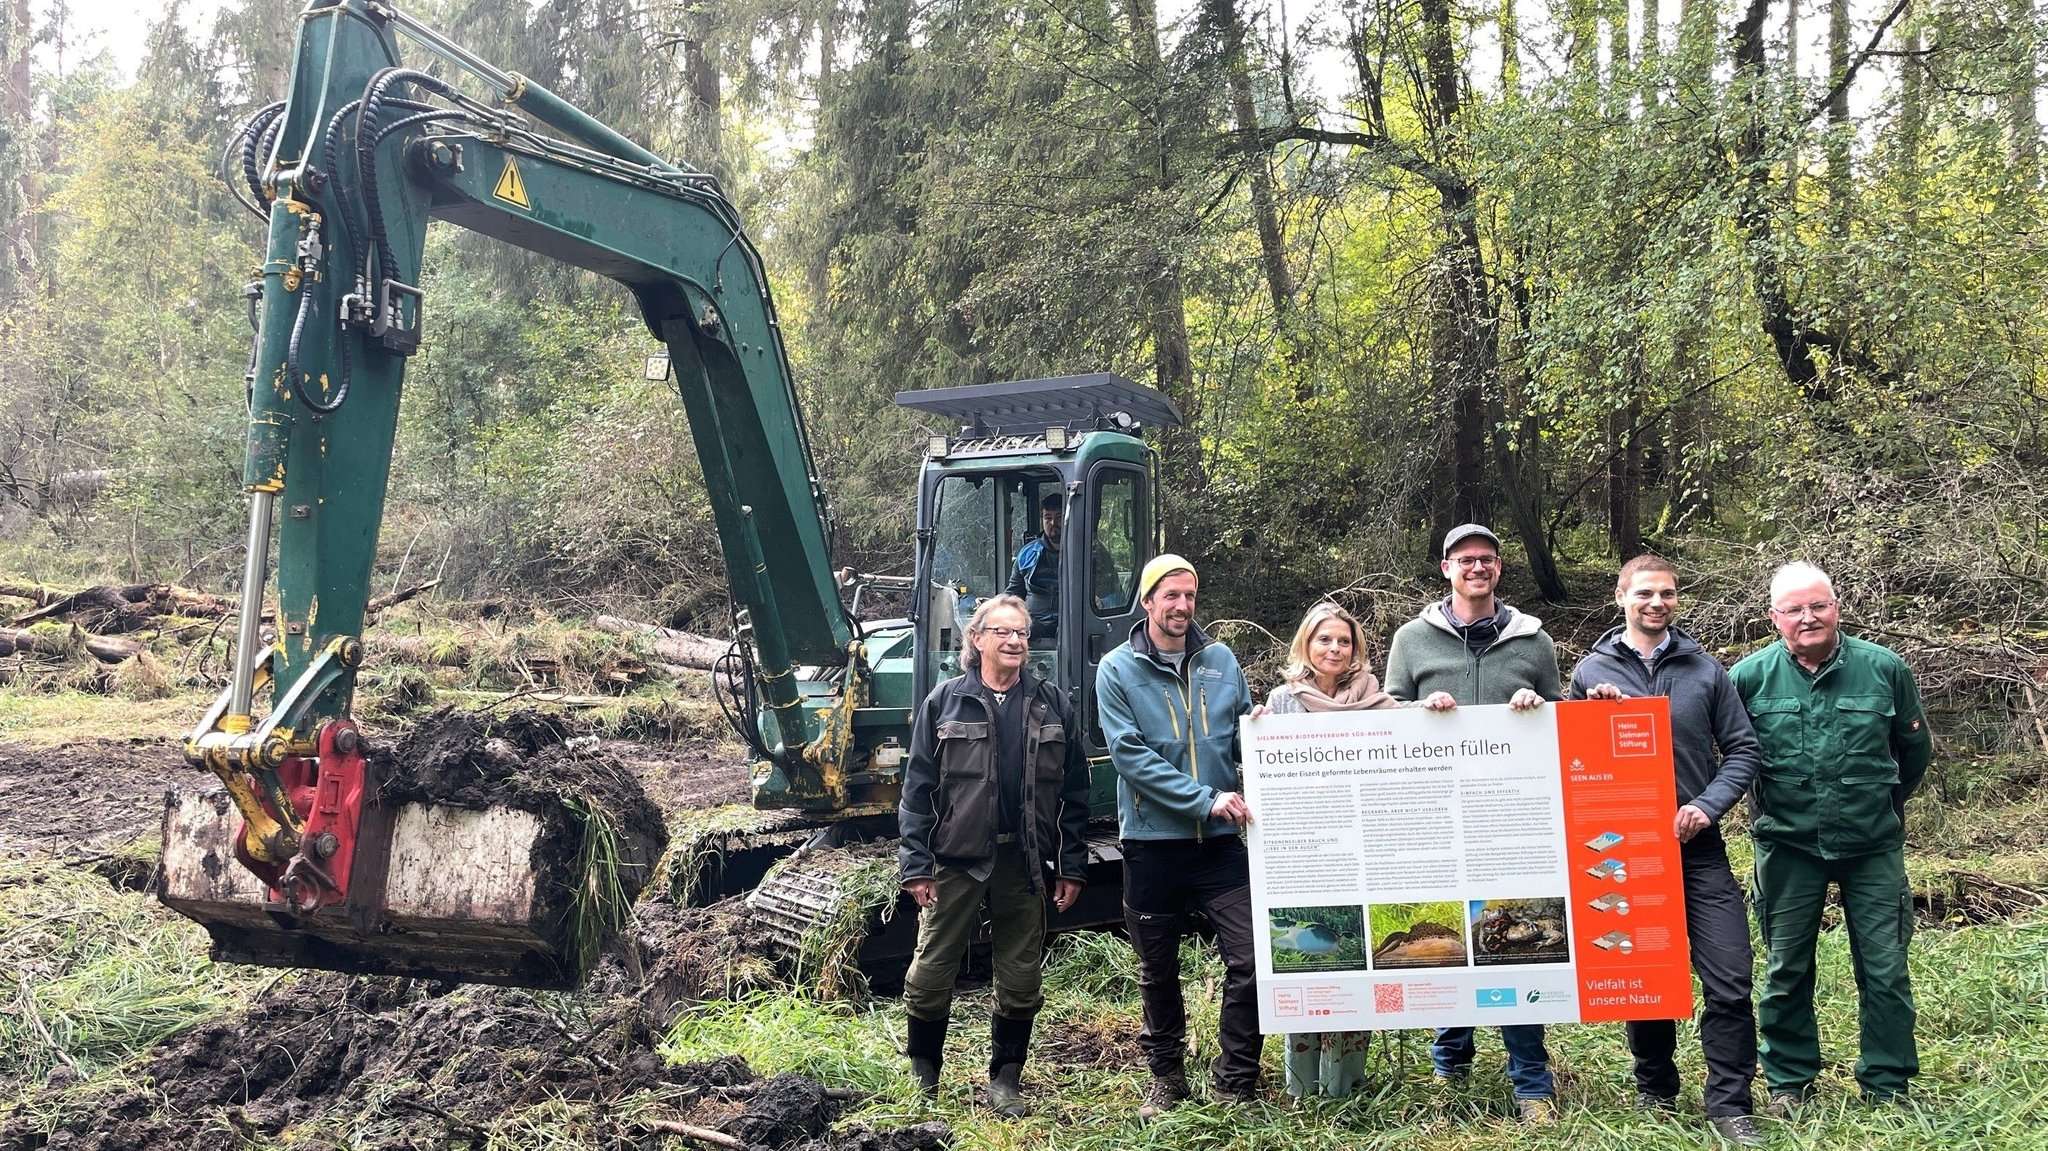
706 101
1258 159
17 114
1803 347
1165 300
1625 463
678 647
2022 120
1912 126
16 642
1794 163
1840 132
1510 51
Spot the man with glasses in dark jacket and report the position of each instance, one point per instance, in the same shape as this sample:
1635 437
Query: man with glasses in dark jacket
1714 755
995 795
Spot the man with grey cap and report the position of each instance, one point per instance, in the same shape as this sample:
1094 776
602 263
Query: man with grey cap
1470 648
1169 702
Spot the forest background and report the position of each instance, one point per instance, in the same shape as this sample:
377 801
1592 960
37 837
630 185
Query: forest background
1733 281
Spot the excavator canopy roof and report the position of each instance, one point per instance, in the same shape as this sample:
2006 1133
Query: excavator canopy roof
1024 407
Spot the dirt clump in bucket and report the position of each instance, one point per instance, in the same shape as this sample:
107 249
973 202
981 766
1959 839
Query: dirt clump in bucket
600 835
522 760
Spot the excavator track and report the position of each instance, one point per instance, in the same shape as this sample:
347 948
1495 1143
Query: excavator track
814 891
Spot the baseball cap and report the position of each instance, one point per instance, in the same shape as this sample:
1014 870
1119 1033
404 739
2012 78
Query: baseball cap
1161 567
1463 532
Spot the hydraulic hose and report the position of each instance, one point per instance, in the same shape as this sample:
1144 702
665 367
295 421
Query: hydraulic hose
257 125
367 123
291 360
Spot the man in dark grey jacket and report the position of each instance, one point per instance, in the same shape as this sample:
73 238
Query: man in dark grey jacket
996 792
1648 655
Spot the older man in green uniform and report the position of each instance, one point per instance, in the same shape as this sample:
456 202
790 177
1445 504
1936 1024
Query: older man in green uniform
1845 742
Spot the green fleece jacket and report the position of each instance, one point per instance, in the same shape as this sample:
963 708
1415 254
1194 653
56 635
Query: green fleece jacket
1429 655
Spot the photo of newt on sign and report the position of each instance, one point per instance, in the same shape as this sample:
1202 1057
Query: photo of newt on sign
1417 935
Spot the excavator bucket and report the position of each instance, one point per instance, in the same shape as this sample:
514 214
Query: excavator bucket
511 879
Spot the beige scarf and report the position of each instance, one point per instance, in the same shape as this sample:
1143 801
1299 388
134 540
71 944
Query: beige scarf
1361 694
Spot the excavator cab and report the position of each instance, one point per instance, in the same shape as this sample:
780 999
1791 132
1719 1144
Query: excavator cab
981 502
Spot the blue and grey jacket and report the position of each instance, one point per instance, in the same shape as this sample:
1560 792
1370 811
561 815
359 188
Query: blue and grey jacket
1037 580
1172 735
1706 714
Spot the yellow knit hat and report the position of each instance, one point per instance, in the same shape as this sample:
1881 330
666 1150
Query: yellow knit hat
1161 567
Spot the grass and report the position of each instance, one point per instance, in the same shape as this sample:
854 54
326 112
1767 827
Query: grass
1983 995
49 719
598 902
93 975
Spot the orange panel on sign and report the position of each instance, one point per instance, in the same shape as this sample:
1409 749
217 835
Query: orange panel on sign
1627 884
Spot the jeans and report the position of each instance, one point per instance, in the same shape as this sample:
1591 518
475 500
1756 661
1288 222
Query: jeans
1528 1061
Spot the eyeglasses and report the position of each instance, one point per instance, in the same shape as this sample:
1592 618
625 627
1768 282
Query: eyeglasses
1470 562
1005 632
1817 608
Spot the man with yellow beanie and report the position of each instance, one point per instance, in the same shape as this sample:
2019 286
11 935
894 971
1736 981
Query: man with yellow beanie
1169 702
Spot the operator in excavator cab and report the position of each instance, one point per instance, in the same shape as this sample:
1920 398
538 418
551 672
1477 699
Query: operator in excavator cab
1036 579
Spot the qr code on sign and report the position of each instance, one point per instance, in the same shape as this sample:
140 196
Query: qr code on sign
1388 998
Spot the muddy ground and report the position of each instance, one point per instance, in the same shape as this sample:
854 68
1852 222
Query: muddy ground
86 799
324 1060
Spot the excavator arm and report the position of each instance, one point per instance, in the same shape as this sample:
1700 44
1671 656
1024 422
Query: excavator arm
349 170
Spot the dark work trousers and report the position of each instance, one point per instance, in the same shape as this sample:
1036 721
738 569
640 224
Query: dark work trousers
1160 877
1718 925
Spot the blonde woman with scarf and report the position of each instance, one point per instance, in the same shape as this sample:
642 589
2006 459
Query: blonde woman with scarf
1326 672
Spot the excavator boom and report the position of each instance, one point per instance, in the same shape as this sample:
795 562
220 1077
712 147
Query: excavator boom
348 171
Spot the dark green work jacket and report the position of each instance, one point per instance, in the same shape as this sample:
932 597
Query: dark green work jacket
1843 748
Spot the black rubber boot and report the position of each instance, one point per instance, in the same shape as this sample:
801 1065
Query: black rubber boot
926 1047
1009 1044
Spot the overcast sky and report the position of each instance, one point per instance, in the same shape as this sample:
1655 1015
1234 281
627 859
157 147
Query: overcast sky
119 26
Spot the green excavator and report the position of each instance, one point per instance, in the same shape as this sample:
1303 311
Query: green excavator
295 859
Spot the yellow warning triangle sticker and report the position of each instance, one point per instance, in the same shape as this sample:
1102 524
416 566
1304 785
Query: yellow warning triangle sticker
511 188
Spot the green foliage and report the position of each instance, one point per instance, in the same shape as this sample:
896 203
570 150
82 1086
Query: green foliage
1646 298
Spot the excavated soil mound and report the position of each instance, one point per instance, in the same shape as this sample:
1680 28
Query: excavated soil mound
388 1064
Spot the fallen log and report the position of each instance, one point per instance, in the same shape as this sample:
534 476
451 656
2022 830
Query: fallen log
679 647
128 607
416 649
14 641
379 603
122 608
36 594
